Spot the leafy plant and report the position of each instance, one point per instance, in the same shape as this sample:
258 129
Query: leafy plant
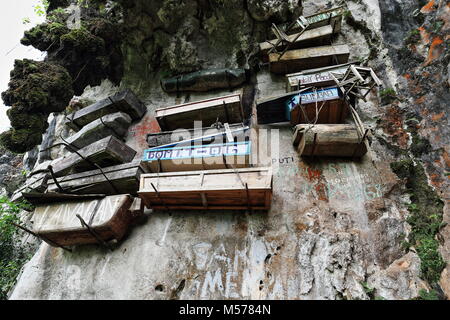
13 254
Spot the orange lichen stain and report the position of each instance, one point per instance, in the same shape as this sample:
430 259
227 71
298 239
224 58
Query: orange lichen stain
420 100
393 126
425 35
436 180
428 7
407 76
435 50
314 174
446 158
438 116
322 191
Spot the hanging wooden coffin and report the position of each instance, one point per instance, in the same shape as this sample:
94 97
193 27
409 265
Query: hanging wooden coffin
322 106
198 157
286 108
302 59
320 77
125 101
228 189
203 136
119 179
310 38
105 152
329 140
226 109
108 218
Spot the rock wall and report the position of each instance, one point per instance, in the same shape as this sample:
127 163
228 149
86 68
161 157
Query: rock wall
336 229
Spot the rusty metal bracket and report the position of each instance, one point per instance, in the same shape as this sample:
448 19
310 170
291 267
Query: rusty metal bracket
52 173
93 233
41 237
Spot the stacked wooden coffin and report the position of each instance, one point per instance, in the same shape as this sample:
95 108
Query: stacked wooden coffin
205 165
89 195
322 87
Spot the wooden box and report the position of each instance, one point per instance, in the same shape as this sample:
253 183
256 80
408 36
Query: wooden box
109 218
302 59
198 157
329 140
125 179
286 107
205 135
105 152
226 109
322 106
320 77
125 101
310 38
212 189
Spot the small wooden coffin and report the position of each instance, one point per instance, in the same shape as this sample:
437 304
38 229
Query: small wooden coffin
205 80
302 59
108 218
198 157
322 106
228 189
124 179
332 17
36 183
205 135
286 107
115 124
320 77
329 140
227 109
125 101
106 152
310 38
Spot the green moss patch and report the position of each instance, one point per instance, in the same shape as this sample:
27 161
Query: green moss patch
425 219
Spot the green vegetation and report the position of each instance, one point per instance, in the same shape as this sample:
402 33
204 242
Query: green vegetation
413 37
388 95
425 219
13 254
428 295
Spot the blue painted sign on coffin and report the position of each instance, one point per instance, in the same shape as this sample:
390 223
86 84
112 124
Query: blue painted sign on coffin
187 158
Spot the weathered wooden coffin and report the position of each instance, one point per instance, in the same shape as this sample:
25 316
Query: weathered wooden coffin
310 38
106 152
286 107
227 109
320 77
329 140
331 17
322 106
211 189
205 135
125 179
205 80
125 101
115 124
109 218
36 183
302 59
198 157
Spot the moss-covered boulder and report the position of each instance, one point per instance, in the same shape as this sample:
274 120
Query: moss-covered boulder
21 140
38 87
20 119
46 36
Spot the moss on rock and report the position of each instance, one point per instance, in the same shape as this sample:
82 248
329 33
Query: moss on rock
21 140
425 219
38 87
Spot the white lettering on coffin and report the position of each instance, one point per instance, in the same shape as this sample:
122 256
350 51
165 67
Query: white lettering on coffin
316 77
64 215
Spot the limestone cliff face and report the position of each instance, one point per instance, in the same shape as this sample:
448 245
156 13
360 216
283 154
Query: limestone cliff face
338 229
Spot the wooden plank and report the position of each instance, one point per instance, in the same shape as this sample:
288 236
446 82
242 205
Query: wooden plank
227 109
198 157
331 16
302 59
310 38
108 217
205 135
125 179
314 77
332 140
52 197
223 189
285 107
125 101
105 152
